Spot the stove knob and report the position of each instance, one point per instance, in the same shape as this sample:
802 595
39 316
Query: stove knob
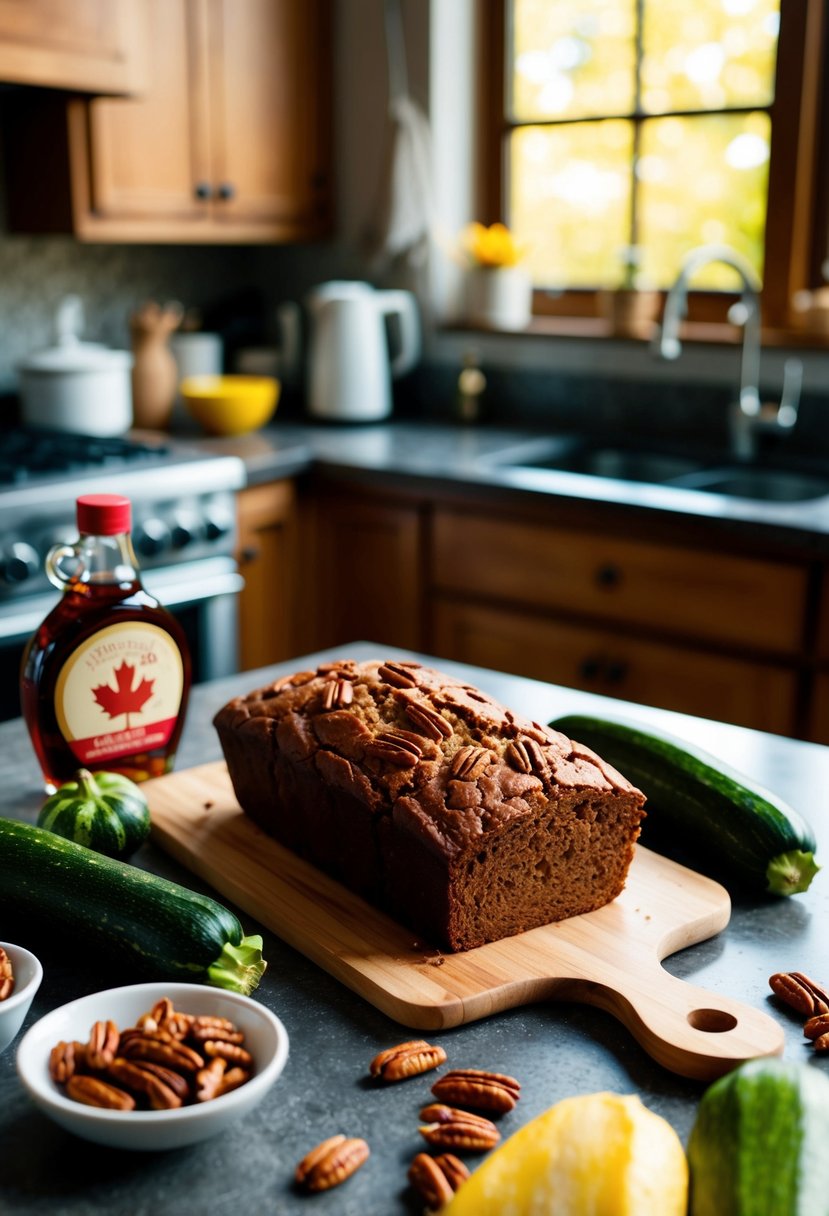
217 524
151 537
184 531
18 562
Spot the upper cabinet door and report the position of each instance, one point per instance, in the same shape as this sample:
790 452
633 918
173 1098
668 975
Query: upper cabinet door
149 159
93 46
270 80
229 142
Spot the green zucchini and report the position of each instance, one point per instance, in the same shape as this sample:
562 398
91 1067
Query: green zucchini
106 812
723 821
162 927
758 1144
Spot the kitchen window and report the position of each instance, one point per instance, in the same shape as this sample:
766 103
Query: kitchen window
623 133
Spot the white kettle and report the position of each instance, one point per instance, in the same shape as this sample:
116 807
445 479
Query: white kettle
349 365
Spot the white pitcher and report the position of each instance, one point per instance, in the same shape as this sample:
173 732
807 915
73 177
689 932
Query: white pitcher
349 365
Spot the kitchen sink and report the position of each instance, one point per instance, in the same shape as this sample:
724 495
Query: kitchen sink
760 483
620 463
764 485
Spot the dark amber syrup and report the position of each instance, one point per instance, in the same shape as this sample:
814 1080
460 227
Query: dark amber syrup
82 611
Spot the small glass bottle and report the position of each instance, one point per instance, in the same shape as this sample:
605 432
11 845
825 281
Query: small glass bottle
105 679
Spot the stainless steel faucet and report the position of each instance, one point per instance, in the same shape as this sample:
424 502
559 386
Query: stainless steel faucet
749 416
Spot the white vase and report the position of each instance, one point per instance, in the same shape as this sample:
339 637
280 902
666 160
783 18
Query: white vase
499 297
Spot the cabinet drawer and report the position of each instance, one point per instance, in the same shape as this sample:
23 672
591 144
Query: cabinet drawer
751 602
691 681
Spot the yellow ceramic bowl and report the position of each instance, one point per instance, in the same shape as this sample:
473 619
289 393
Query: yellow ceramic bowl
230 405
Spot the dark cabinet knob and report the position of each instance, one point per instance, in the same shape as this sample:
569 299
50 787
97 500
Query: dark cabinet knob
202 190
608 576
226 190
589 667
615 671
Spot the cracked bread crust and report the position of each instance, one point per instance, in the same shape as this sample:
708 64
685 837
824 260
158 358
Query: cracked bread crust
464 820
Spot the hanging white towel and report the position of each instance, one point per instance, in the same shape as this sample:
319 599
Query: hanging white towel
404 211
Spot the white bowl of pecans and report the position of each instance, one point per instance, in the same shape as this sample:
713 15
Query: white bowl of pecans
20 976
152 1066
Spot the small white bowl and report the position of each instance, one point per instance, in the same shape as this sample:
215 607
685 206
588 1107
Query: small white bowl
265 1038
27 976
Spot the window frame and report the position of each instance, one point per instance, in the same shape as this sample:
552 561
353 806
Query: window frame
797 224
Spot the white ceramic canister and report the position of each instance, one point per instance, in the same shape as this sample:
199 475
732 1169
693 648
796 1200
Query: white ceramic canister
83 387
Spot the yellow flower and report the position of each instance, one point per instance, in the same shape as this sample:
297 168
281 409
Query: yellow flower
493 246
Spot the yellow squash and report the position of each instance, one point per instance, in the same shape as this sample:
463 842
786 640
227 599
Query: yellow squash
594 1155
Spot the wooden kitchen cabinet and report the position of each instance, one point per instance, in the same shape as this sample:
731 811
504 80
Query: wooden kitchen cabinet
368 560
706 633
92 46
230 142
745 600
603 660
267 557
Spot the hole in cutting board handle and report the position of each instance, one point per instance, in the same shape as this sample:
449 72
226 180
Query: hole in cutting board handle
712 1021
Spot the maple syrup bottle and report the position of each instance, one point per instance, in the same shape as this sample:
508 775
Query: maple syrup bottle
105 679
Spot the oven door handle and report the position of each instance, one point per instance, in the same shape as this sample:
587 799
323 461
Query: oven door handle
204 586
209 579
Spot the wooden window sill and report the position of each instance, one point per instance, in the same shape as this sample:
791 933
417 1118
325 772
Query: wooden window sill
597 327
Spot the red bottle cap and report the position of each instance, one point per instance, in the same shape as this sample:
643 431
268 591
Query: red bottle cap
103 514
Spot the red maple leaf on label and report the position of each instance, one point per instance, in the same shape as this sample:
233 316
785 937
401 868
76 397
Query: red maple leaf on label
123 699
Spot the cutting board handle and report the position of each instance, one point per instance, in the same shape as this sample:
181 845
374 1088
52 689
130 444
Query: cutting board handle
692 1031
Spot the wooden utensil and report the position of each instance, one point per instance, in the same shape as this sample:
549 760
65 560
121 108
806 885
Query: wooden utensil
154 371
609 958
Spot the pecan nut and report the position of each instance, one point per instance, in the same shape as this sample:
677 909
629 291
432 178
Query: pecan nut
433 724
65 1059
233 1078
454 1170
396 675
331 1163
205 1034
470 763
162 1010
394 750
436 1178
458 1130
140 1080
231 1052
178 1083
406 1060
171 1055
800 993
103 1044
490 1091
817 1026
337 694
525 756
209 1079
92 1091
6 975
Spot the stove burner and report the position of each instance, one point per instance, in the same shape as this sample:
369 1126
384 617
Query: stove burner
27 454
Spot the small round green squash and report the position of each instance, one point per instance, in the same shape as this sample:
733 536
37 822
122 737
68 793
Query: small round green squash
105 812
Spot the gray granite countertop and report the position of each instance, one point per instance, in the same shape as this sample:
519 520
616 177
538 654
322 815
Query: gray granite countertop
556 1050
423 455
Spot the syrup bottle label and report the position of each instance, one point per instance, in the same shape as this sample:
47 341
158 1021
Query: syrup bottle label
120 692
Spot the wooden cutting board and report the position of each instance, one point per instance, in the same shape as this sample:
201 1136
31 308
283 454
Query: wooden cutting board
609 958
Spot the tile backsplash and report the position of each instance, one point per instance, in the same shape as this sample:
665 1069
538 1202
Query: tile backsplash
112 280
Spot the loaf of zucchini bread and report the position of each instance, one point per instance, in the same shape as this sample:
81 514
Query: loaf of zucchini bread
460 818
